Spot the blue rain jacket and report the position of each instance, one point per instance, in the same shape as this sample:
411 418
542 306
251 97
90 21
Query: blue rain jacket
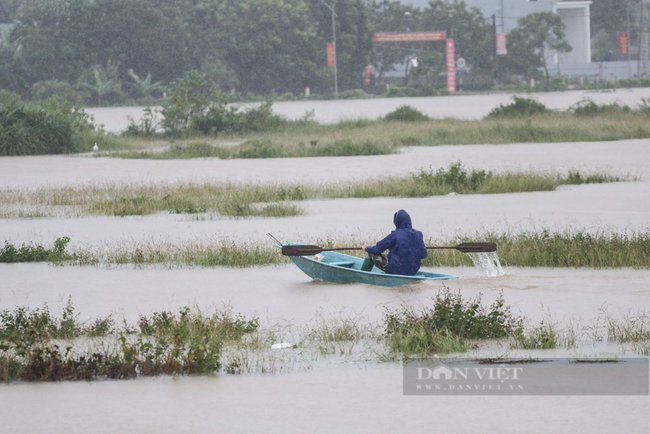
406 246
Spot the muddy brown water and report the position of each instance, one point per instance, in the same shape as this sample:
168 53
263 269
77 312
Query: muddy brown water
333 394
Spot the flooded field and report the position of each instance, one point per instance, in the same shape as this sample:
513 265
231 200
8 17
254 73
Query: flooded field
358 394
458 106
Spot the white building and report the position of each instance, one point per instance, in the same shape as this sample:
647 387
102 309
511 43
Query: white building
576 17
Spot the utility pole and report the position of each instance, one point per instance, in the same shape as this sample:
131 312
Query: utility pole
494 50
336 81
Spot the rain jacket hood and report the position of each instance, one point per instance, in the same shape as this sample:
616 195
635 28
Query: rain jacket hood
402 220
405 244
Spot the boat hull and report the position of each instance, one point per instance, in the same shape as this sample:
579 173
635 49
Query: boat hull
341 268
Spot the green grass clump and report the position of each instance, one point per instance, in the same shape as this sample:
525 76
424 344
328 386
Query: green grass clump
543 337
269 200
36 253
183 343
520 107
448 325
406 113
573 249
457 179
52 126
260 148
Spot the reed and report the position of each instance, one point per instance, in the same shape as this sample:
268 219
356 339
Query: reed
273 200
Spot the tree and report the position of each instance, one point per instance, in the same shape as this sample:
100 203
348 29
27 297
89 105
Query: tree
103 82
529 43
473 35
393 16
271 45
145 87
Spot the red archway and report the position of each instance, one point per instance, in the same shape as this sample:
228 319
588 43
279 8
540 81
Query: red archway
428 36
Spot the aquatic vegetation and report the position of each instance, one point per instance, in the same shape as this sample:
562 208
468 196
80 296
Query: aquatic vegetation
35 346
529 249
263 148
38 346
519 107
36 253
449 325
338 333
573 248
376 137
544 336
406 113
273 200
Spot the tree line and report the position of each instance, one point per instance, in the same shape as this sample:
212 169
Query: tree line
106 51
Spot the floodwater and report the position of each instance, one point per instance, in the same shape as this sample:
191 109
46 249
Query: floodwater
459 106
333 394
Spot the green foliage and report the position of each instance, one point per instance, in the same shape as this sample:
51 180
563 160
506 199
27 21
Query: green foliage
146 88
56 88
103 82
587 107
451 318
403 92
352 94
406 113
189 342
520 107
456 178
147 126
574 249
196 106
36 253
24 326
49 127
534 33
544 337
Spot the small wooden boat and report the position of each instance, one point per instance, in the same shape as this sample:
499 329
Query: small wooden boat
341 268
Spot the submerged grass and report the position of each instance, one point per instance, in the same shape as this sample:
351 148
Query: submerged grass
540 249
36 345
375 137
449 325
275 200
574 249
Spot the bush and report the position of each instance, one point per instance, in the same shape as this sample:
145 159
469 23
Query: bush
406 113
402 91
444 327
352 94
52 126
587 107
196 106
36 253
520 107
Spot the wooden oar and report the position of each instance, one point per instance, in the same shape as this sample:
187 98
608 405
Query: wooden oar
309 250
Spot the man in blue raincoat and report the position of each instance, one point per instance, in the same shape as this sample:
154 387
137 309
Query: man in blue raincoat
406 247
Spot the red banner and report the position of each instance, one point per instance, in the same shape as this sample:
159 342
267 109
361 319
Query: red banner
501 44
330 54
624 42
410 36
451 66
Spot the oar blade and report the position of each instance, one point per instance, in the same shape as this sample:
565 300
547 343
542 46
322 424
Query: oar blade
300 250
476 247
